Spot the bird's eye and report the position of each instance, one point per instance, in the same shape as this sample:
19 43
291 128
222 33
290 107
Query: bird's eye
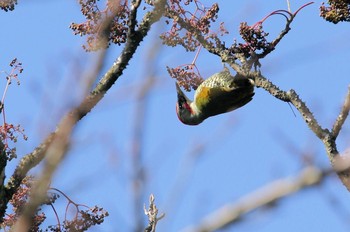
181 103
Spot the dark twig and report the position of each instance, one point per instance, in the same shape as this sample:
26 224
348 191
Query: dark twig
289 18
3 163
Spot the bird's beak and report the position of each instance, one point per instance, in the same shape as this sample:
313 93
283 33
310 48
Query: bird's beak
178 89
180 94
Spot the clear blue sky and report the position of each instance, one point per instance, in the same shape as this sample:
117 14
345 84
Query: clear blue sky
243 151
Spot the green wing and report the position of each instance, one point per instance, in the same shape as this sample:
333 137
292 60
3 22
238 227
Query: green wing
217 100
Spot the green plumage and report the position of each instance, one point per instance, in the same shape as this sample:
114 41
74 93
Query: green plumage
219 94
222 93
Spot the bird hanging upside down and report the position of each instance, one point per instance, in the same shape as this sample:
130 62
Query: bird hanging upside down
218 94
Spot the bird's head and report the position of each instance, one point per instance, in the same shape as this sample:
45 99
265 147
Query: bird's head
185 109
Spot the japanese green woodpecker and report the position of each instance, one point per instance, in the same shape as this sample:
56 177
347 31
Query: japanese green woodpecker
218 94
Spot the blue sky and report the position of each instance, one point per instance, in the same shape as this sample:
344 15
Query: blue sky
242 150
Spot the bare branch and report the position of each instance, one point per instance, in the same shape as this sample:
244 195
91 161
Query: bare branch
61 136
54 150
54 155
292 97
324 135
342 116
307 115
138 177
272 192
152 214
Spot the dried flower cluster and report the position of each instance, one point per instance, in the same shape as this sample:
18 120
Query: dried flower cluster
337 11
188 19
186 76
86 219
200 19
18 201
7 5
82 221
103 27
255 39
16 69
192 30
8 131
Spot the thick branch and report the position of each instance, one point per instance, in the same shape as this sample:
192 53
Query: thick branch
324 135
134 39
307 115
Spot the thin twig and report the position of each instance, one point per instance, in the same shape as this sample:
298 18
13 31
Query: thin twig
152 214
342 115
139 132
288 6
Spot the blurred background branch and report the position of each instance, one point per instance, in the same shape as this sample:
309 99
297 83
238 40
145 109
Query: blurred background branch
269 194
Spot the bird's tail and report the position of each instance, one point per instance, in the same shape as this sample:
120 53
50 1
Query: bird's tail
243 81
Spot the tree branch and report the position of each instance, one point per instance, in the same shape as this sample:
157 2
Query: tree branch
268 194
152 214
292 97
3 163
134 38
328 138
138 176
342 115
